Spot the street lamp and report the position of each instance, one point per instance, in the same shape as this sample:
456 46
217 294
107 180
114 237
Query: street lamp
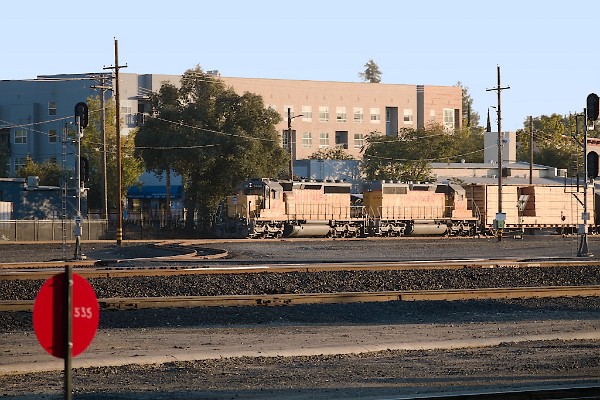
290 118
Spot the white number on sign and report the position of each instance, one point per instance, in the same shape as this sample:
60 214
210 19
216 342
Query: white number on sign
83 312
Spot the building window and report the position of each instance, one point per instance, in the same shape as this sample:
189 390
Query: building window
307 113
432 116
307 139
341 139
324 139
359 140
341 114
358 114
51 108
129 117
20 136
323 114
285 138
375 116
408 116
448 118
52 136
19 163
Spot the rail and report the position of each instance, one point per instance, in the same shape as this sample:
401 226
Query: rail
327 298
179 264
559 393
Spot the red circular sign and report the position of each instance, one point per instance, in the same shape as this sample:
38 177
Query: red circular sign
49 315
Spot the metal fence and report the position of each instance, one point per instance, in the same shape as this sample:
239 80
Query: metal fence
51 230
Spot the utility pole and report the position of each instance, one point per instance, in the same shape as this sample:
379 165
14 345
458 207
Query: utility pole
290 142
530 150
500 216
103 88
116 67
291 167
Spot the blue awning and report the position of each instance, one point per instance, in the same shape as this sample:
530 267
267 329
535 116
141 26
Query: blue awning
154 192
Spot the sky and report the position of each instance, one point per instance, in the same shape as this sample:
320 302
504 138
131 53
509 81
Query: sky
546 50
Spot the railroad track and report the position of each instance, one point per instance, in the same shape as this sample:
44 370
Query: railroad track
326 298
561 393
25 271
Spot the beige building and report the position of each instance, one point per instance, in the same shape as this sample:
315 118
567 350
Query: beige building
326 114
342 114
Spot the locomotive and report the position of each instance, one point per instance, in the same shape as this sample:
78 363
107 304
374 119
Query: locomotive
268 208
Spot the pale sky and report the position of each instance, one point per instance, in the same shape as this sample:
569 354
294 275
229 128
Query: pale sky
547 50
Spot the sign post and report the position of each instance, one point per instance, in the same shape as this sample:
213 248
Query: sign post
65 318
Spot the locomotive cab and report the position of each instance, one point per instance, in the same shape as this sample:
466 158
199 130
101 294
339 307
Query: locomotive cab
255 199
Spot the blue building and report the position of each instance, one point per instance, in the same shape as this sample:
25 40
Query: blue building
34 115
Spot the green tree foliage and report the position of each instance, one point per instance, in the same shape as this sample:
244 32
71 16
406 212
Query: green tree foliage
467 145
408 156
49 172
372 74
4 159
91 147
551 146
332 153
212 137
469 117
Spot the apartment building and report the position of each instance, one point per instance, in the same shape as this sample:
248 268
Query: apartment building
342 114
34 113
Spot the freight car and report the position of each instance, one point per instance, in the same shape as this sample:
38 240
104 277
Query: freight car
532 207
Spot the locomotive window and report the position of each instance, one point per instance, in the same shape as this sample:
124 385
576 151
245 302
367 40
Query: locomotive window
395 190
337 189
422 188
253 191
313 187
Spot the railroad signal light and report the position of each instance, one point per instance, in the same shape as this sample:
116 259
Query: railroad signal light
592 106
81 111
84 166
592 165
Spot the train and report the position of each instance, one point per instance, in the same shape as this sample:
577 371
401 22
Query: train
270 208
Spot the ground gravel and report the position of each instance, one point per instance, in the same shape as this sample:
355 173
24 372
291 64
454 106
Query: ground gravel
384 374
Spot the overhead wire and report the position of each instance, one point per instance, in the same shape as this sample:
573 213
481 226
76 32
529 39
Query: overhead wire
426 159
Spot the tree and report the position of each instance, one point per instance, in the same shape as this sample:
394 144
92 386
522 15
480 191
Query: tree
91 147
332 153
372 74
551 146
49 172
4 160
469 117
408 156
212 137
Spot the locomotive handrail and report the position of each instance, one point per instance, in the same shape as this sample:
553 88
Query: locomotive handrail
409 213
320 211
